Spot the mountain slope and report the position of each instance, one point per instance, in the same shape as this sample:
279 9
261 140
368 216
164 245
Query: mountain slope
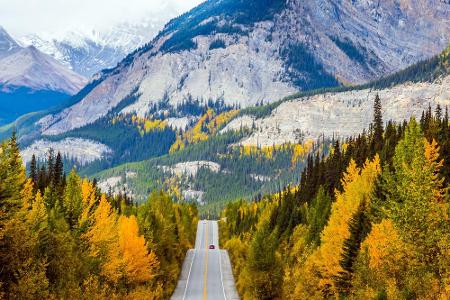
246 52
31 80
28 67
88 51
258 155
7 44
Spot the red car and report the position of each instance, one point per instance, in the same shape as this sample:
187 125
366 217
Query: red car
212 247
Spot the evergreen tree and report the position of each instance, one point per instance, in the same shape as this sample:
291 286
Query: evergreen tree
12 177
42 179
378 126
318 215
34 170
264 267
50 166
359 227
73 199
58 170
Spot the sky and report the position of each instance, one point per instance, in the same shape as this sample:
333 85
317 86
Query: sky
21 17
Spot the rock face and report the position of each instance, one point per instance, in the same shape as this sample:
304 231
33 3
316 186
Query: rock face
191 168
343 114
245 52
84 151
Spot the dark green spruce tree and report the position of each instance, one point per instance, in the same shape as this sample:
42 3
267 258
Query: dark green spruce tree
34 171
377 127
359 227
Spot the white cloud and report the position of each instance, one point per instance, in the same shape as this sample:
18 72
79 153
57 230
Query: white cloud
21 17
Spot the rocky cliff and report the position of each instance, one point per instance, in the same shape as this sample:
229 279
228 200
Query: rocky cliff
247 52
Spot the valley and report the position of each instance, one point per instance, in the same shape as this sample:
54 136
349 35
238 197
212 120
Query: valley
270 149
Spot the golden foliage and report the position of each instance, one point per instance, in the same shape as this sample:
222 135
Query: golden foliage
89 200
208 124
358 186
103 233
139 265
384 247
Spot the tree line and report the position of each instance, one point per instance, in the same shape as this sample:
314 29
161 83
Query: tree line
368 221
61 237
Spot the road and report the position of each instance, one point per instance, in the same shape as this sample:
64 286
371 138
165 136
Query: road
206 272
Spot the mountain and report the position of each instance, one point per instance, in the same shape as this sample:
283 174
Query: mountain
224 154
30 68
90 52
31 80
248 52
7 44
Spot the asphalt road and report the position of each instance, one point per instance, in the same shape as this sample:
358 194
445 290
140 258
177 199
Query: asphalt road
204 277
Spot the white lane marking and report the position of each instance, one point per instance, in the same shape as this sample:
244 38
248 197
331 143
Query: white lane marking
220 260
192 262
189 275
221 275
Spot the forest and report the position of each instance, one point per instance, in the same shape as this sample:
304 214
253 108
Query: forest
61 238
368 221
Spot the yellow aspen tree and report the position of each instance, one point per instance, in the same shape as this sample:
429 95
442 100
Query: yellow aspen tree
27 194
358 186
139 265
37 216
102 238
89 200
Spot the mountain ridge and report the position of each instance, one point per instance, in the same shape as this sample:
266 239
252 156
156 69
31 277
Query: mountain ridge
302 46
31 80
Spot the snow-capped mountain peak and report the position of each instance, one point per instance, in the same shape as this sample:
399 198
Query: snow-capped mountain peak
7 44
87 52
28 67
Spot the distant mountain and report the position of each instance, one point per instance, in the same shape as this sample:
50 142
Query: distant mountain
89 53
227 154
31 80
247 52
7 44
30 68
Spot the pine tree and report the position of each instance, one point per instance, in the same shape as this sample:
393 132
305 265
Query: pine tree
12 178
264 267
73 199
58 170
378 126
359 227
42 181
34 171
318 215
50 166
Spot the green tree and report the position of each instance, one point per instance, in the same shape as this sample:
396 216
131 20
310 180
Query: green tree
359 227
317 216
73 199
264 270
377 126
416 202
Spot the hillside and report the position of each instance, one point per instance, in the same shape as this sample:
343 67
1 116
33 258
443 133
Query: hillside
248 52
254 150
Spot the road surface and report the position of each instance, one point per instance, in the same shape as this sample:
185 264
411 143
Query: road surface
206 272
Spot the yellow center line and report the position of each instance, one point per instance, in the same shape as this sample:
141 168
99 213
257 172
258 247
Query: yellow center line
205 273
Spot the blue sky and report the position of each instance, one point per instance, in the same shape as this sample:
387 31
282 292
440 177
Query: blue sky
21 17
